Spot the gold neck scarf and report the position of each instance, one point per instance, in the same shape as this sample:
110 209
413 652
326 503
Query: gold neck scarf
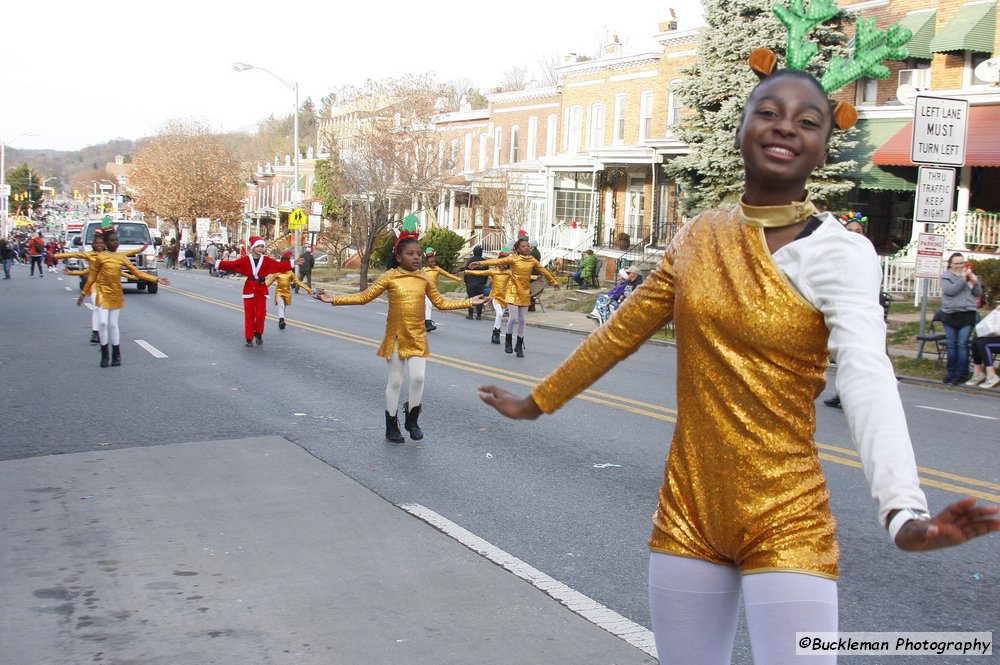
771 217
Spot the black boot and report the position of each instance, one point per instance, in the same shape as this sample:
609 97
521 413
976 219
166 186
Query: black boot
508 343
104 355
410 421
429 325
94 338
392 432
519 347
116 355
496 336
834 402
479 312
260 338
249 342
470 314
281 323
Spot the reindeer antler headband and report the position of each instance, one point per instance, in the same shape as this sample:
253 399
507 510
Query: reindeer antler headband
871 47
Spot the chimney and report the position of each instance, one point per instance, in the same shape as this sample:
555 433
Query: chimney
667 26
569 58
614 48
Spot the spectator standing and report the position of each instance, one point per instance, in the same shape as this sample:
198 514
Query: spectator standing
960 292
211 256
475 285
189 257
7 255
36 250
306 268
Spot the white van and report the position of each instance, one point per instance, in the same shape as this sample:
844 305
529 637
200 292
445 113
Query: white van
131 235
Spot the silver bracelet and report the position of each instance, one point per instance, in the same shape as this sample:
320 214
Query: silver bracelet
902 517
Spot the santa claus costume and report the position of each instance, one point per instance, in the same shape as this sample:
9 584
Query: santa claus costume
256 267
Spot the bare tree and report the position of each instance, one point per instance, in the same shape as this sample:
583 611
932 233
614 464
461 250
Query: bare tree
185 172
388 157
501 197
514 78
547 64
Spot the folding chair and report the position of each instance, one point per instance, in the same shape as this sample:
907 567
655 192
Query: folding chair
594 281
536 289
932 335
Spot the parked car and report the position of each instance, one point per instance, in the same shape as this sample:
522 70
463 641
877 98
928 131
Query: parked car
322 261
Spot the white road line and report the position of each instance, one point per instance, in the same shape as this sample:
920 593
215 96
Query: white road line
960 413
589 609
153 351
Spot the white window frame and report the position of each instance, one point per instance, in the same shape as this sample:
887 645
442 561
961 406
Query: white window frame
514 152
646 115
674 105
574 121
598 116
467 154
497 145
621 101
483 138
867 94
969 75
551 134
532 151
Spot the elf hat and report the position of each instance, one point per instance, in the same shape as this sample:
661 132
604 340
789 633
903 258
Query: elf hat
430 252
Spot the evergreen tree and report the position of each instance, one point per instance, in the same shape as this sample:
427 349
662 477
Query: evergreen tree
717 85
308 125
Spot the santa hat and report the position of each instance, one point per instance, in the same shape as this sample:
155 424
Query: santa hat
286 255
256 240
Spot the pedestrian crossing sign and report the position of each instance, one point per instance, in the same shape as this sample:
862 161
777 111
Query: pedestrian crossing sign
298 219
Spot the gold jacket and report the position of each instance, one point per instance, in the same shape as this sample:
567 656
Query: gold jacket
438 271
284 287
89 258
500 278
404 326
106 278
519 284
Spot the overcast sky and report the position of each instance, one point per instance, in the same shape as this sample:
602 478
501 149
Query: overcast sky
81 73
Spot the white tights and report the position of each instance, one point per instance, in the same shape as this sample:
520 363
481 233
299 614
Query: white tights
518 317
694 606
281 308
427 308
94 322
498 319
107 326
418 367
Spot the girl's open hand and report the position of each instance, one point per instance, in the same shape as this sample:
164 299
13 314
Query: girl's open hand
509 404
478 300
165 281
958 523
321 295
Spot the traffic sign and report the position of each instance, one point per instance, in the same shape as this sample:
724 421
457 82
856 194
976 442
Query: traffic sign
298 219
935 195
939 130
5 190
930 250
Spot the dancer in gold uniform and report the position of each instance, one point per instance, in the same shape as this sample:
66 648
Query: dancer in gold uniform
105 278
500 277
433 271
405 342
518 295
744 506
283 290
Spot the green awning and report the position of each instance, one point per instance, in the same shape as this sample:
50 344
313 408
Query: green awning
922 25
871 134
973 28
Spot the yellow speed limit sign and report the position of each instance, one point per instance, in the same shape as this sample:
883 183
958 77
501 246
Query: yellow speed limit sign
298 219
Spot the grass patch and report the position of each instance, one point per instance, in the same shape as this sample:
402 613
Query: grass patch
924 368
905 337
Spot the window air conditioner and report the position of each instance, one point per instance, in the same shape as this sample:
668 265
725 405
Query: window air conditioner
918 78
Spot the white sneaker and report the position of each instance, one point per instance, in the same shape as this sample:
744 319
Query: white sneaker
989 383
976 380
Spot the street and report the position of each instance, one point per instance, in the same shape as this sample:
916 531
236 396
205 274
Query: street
569 494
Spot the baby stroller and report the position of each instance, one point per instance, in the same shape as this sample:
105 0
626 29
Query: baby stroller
603 308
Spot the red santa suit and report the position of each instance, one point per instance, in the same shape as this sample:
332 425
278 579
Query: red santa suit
255 290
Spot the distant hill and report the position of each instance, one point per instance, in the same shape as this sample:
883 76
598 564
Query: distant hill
64 164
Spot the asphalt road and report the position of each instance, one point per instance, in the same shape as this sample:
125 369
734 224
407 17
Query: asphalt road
569 494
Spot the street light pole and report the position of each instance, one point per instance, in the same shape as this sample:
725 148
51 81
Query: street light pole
242 67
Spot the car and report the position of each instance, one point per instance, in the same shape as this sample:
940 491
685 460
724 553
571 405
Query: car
321 261
131 235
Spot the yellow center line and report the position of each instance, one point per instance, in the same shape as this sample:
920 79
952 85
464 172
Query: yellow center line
625 404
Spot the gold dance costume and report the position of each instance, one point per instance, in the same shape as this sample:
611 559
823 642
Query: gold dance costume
283 289
404 325
437 271
743 483
89 258
519 284
106 278
498 290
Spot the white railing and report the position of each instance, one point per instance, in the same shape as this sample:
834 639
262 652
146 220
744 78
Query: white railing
982 229
898 277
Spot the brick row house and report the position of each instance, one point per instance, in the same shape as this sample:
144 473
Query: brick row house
580 164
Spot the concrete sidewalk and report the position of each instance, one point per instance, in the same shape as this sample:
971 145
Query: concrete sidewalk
252 551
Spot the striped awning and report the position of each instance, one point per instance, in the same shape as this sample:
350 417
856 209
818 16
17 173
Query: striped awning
871 134
982 141
973 28
922 24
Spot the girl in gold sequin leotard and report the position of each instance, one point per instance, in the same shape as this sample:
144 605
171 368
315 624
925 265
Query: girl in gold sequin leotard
744 507
405 342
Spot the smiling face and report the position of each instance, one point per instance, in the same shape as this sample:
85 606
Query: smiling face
431 260
257 251
98 243
111 241
783 137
